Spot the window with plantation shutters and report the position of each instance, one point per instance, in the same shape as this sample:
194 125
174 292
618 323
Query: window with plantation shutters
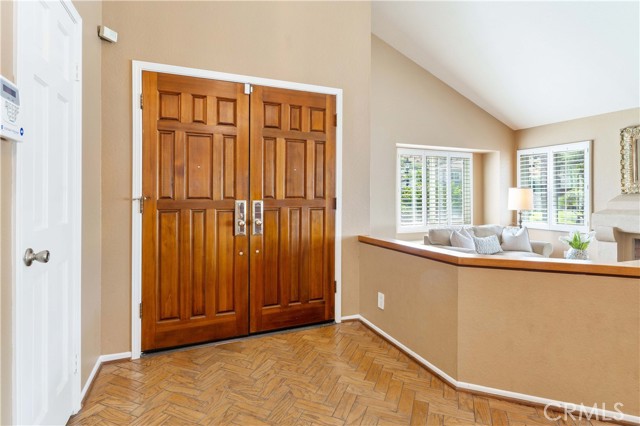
568 188
412 195
434 189
560 178
533 173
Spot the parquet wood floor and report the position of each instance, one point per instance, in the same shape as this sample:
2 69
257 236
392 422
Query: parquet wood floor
341 374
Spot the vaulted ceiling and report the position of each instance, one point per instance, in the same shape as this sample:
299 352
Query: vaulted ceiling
525 63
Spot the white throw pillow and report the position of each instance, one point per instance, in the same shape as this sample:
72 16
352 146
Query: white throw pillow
516 239
487 245
462 239
487 230
440 237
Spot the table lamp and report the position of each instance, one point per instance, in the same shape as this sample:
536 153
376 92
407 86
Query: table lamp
520 199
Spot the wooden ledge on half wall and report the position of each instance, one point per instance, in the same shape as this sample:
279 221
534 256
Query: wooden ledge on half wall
629 269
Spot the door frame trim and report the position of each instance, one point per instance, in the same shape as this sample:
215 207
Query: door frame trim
75 192
137 68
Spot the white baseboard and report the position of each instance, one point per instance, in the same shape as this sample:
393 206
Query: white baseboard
587 411
101 359
115 357
351 317
417 357
90 379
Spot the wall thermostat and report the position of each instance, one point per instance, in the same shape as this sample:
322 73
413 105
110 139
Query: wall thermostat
10 127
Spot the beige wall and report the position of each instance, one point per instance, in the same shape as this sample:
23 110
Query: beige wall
421 302
409 105
91 230
309 42
91 12
572 338
604 131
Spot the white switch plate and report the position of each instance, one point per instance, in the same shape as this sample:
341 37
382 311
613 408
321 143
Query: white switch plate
381 300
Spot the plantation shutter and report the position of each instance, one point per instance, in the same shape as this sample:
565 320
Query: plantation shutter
533 173
436 185
460 173
411 190
568 187
560 177
435 189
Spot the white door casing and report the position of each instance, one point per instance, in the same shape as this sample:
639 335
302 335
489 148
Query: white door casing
48 213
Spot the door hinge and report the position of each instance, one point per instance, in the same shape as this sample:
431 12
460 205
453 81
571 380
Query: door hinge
141 101
335 120
140 307
77 72
247 89
75 365
334 203
335 286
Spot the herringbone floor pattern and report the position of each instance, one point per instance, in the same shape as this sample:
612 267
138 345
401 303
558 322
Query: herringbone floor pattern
335 375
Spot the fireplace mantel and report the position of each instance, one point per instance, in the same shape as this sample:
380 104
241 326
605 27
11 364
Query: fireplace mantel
616 227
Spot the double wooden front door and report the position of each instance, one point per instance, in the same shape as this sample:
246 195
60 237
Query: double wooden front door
238 224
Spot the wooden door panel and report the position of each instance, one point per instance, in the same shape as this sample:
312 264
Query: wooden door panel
199 109
293 158
319 169
293 256
317 245
269 168
199 166
166 165
169 106
195 156
229 167
295 170
224 264
198 264
168 299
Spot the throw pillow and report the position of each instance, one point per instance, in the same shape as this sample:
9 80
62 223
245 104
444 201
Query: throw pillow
440 237
487 230
462 239
516 239
487 245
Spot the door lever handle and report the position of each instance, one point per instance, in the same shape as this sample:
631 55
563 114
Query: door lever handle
42 256
141 201
240 227
258 209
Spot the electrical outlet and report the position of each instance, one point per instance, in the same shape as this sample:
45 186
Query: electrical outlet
381 300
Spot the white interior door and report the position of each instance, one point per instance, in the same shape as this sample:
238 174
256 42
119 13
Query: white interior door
47 213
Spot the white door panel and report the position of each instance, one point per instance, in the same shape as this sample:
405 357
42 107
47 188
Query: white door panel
47 213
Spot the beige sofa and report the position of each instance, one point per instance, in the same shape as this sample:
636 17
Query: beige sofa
441 238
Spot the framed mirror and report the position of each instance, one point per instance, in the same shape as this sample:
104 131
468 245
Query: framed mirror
630 159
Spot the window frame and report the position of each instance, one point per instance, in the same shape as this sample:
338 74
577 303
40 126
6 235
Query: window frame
424 227
551 223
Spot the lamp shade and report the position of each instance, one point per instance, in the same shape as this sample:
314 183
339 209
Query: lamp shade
520 199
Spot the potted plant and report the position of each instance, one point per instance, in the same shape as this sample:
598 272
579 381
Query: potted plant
578 243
